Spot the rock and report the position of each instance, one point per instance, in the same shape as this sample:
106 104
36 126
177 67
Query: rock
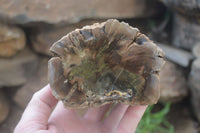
195 74
196 50
15 71
181 118
4 106
185 7
173 85
12 40
43 38
186 32
33 84
14 116
194 80
179 56
70 11
186 25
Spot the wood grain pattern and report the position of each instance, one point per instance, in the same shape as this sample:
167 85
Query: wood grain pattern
105 63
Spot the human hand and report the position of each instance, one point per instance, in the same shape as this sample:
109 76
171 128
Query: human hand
41 117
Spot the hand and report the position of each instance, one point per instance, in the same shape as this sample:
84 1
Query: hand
41 117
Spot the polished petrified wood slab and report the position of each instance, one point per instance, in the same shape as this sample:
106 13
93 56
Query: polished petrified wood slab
105 63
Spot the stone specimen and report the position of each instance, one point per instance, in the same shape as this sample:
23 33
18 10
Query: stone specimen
71 11
4 106
15 71
105 63
12 39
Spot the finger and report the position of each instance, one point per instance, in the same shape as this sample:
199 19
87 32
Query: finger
61 116
39 109
115 116
96 114
131 118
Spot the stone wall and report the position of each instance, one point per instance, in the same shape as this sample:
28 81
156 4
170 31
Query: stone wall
29 28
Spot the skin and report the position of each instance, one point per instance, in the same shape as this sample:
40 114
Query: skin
44 114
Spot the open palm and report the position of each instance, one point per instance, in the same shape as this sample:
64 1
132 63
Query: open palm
41 116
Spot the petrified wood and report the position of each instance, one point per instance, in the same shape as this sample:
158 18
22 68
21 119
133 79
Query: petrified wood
105 63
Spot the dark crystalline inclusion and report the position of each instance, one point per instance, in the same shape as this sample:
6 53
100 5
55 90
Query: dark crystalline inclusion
105 63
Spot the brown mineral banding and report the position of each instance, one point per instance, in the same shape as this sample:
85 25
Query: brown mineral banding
107 62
